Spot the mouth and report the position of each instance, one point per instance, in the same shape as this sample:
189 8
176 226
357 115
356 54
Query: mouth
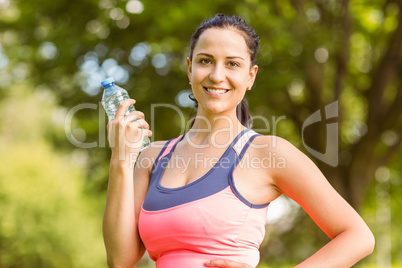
216 91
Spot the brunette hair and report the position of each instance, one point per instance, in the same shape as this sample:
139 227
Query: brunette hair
252 40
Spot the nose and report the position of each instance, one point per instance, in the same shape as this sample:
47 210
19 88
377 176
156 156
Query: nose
217 74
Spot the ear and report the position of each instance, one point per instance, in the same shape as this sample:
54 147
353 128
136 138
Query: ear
188 61
251 76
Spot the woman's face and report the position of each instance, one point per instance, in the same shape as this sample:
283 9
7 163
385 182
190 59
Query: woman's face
220 71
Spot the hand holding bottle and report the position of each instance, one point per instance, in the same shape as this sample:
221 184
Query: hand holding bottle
126 133
112 97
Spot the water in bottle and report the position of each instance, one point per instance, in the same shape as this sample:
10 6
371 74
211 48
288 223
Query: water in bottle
113 96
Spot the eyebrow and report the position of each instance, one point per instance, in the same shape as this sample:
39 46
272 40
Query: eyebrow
211 56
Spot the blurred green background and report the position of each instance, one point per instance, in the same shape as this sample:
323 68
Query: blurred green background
54 154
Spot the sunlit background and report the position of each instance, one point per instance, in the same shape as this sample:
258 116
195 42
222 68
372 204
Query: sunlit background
54 153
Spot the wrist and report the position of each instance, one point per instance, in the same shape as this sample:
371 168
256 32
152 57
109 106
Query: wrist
122 162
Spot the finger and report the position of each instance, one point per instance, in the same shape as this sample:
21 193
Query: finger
123 108
142 123
139 123
109 123
108 126
146 133
133 116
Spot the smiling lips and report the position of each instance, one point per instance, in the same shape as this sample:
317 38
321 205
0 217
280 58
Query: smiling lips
216 91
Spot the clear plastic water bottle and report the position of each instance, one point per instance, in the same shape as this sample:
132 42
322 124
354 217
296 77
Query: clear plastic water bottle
113 96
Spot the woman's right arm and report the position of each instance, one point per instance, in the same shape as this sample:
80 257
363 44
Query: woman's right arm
124 247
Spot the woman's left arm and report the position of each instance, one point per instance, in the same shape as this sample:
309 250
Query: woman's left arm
301 180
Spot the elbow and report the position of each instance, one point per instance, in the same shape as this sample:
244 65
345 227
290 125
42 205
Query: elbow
120 263
123 258
369 243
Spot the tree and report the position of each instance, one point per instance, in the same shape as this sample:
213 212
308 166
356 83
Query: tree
313 53
338 55
46 220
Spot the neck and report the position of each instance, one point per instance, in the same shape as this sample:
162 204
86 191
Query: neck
218 127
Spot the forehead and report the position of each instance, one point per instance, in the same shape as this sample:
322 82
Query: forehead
218 40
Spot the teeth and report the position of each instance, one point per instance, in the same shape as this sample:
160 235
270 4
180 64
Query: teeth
218 91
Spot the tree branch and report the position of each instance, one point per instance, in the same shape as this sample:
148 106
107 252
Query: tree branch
342 56
391 153
298 6
314 85
394 111
385 71
294 111
276 8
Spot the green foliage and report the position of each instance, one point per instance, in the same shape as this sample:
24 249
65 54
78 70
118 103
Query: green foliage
45 220
53 55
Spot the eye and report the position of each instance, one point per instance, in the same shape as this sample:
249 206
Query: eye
233 64
204 61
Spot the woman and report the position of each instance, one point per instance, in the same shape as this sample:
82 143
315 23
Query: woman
212 213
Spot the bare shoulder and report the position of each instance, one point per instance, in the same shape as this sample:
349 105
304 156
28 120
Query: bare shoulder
275 144
288 158
271 141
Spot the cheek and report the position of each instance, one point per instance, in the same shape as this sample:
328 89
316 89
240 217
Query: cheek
199 73
240 81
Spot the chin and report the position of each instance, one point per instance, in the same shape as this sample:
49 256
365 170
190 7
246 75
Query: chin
217 109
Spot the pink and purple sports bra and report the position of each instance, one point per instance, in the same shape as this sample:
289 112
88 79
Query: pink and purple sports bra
186 226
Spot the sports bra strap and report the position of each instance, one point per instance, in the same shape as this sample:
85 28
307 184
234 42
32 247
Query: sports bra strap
169 147
239 147
244 142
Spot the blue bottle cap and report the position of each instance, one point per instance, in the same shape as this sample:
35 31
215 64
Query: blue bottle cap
108 81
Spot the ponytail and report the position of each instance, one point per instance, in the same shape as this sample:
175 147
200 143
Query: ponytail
242 113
